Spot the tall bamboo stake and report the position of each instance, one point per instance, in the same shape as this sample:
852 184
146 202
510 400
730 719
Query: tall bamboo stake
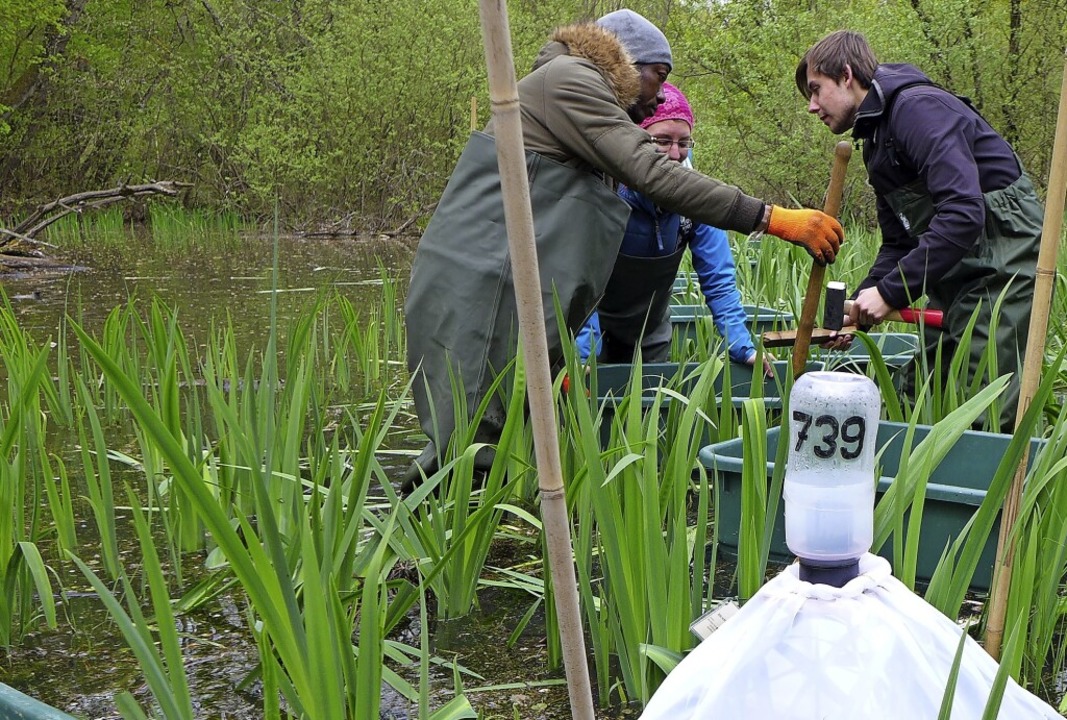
1031 377
518 219
474 113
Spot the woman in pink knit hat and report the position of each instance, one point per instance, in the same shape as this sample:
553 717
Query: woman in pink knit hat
639 291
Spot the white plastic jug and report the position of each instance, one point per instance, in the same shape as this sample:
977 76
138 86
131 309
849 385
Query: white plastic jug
829 480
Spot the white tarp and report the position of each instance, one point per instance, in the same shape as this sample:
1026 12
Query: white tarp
872 649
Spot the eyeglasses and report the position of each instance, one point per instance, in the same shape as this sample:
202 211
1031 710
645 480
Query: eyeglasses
665 143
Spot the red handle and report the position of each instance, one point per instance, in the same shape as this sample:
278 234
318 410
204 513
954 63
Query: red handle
933 318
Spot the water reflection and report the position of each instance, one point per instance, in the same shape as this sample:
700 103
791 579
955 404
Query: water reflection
211 282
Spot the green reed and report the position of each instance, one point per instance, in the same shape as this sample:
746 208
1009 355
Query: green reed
757 502
308 563
1041 533
179 228
449 522
96 229
773 273
369 344
253 471
20 354
237 461
640 562
22 570
906 495
163 668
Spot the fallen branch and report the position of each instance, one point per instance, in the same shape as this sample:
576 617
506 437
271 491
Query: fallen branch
49 213
410 221
25 239
9 263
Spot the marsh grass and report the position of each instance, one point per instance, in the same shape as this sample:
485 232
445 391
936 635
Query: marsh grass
181 229
310 556
106 228
639 542
242 464
264 461
163 667
26 593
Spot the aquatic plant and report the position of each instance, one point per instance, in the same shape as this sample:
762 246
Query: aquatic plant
265 461
25 587
178 228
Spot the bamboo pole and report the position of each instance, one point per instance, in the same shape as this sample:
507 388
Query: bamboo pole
831 206
518 220
1031 377
474 113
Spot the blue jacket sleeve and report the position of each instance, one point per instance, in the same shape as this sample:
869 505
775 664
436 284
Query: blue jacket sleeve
714 264
588 337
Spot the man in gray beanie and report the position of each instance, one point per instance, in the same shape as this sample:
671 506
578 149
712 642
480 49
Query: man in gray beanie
645 42
590 85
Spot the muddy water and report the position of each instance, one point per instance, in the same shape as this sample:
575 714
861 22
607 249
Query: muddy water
80 668
210 280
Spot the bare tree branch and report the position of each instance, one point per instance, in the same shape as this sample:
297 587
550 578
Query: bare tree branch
25 238
48 213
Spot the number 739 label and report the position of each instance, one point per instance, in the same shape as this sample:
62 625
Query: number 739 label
829 435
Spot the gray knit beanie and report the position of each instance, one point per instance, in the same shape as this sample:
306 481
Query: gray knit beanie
643 40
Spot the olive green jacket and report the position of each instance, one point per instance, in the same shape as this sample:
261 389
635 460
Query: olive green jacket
574 112
460 311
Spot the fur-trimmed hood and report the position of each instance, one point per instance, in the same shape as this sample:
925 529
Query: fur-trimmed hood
602 48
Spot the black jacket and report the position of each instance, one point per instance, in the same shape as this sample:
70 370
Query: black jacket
914 131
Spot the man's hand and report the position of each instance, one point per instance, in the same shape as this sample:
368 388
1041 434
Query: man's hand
838 342
818 233
869 308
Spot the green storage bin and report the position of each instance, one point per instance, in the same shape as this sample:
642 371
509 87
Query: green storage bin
955 490
897 350
15 705
685 318
686 281
613 381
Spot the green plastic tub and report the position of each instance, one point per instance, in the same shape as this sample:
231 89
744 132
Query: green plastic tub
17 706
686 283
613 381
686 318
897 349
955 490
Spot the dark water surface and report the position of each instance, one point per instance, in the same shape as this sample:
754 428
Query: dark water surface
209 281
80 667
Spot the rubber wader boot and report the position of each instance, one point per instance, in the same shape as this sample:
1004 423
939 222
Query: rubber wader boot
421 467
426 464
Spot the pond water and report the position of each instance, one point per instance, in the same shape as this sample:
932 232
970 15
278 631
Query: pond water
209 281
79 668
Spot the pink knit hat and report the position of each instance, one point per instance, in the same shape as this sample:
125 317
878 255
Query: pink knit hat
675 107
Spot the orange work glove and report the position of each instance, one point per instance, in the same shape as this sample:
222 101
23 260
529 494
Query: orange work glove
819 234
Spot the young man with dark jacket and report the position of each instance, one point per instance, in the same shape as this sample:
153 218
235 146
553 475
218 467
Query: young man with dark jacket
960 221
589 87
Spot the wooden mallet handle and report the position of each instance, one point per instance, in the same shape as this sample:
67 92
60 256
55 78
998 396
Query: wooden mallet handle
832 207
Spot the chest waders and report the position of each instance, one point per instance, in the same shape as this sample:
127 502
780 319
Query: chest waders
1004 258
636 308
461 317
